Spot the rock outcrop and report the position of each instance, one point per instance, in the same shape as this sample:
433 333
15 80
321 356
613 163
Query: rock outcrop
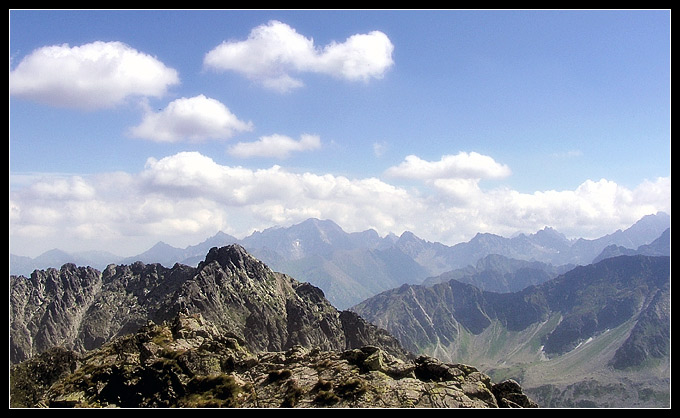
189 362
47 308
80 308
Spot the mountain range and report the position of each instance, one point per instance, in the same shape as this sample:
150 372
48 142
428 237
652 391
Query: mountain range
597 335
497 273
351 267
228 333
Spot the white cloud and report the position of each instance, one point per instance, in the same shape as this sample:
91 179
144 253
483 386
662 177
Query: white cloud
90 76
276 146
184 198
459 191
462 165
360 57
195 119
282 83
275 51
61 188
593 209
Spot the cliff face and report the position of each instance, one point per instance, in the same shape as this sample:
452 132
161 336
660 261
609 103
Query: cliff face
47 308
188 362
80 309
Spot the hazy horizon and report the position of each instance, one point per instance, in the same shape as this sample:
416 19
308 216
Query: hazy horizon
382 236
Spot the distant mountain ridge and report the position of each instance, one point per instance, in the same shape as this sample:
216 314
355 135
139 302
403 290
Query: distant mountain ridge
496 273
659 247
56 258
351 267
607 323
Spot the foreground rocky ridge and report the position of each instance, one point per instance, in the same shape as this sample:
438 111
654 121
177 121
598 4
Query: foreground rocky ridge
80 308
188 362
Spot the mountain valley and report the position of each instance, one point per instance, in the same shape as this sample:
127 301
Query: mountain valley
605 324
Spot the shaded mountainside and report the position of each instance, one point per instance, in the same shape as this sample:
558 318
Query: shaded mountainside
80 308
496 273
610 318
188 362
589 298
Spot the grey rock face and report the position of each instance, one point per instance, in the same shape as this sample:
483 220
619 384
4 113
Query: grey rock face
47 308
80 308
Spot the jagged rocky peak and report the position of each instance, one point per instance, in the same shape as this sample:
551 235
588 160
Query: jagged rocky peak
239 294
551 237
233 257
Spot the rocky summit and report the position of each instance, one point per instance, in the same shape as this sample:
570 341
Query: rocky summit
80 308
188 362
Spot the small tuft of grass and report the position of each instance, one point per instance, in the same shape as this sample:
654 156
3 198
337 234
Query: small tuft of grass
326 398
219 391
323 364
322 385
352 388
293 395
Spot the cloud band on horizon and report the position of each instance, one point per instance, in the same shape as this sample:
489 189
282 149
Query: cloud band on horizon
188 196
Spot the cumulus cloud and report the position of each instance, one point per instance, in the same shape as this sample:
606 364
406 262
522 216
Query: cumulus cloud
184 198
195 119
275 146
190 174
462 165
90 76
275 52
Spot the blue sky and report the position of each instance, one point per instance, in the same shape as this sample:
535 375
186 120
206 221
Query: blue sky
130 127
